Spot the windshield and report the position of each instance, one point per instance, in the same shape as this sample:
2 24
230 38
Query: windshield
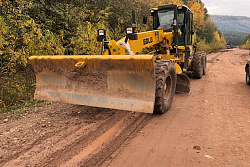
164 20
166 17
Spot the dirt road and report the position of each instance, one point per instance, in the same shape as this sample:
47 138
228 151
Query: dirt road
208 127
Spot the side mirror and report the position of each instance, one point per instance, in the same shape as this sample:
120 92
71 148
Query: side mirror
145 20
188 13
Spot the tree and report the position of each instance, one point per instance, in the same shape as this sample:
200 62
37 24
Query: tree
246 39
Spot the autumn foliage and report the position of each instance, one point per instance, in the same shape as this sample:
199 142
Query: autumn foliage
246 43
45 27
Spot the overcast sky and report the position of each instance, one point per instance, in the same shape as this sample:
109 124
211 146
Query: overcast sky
228 7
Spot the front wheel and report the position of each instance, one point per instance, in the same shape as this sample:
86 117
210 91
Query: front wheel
247 76
165 74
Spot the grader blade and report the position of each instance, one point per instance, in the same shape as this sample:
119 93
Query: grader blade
108 81
183 84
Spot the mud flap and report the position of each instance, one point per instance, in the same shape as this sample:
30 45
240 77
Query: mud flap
183 83
109 81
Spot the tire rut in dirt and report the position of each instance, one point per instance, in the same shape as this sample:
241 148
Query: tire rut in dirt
23 151
66 126
214 58
129 129
165 76
66 153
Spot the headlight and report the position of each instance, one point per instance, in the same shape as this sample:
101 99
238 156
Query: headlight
101 35
101 32
130 30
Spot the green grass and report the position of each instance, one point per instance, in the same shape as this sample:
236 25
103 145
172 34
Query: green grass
22 106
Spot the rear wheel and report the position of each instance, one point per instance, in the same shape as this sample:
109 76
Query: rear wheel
197 65
247 76
165 74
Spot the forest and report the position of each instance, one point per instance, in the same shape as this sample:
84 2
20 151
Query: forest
66 27
235 38
246 43
234 28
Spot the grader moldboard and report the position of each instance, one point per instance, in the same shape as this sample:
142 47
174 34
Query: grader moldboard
140 72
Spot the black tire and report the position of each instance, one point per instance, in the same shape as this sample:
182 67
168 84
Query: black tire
165 75
204 60
248 76
197 65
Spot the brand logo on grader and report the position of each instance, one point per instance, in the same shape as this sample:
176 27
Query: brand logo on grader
147 40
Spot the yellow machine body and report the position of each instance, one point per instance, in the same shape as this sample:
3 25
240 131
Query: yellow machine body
112 79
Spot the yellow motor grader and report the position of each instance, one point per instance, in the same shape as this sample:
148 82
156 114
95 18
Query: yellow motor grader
141 72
